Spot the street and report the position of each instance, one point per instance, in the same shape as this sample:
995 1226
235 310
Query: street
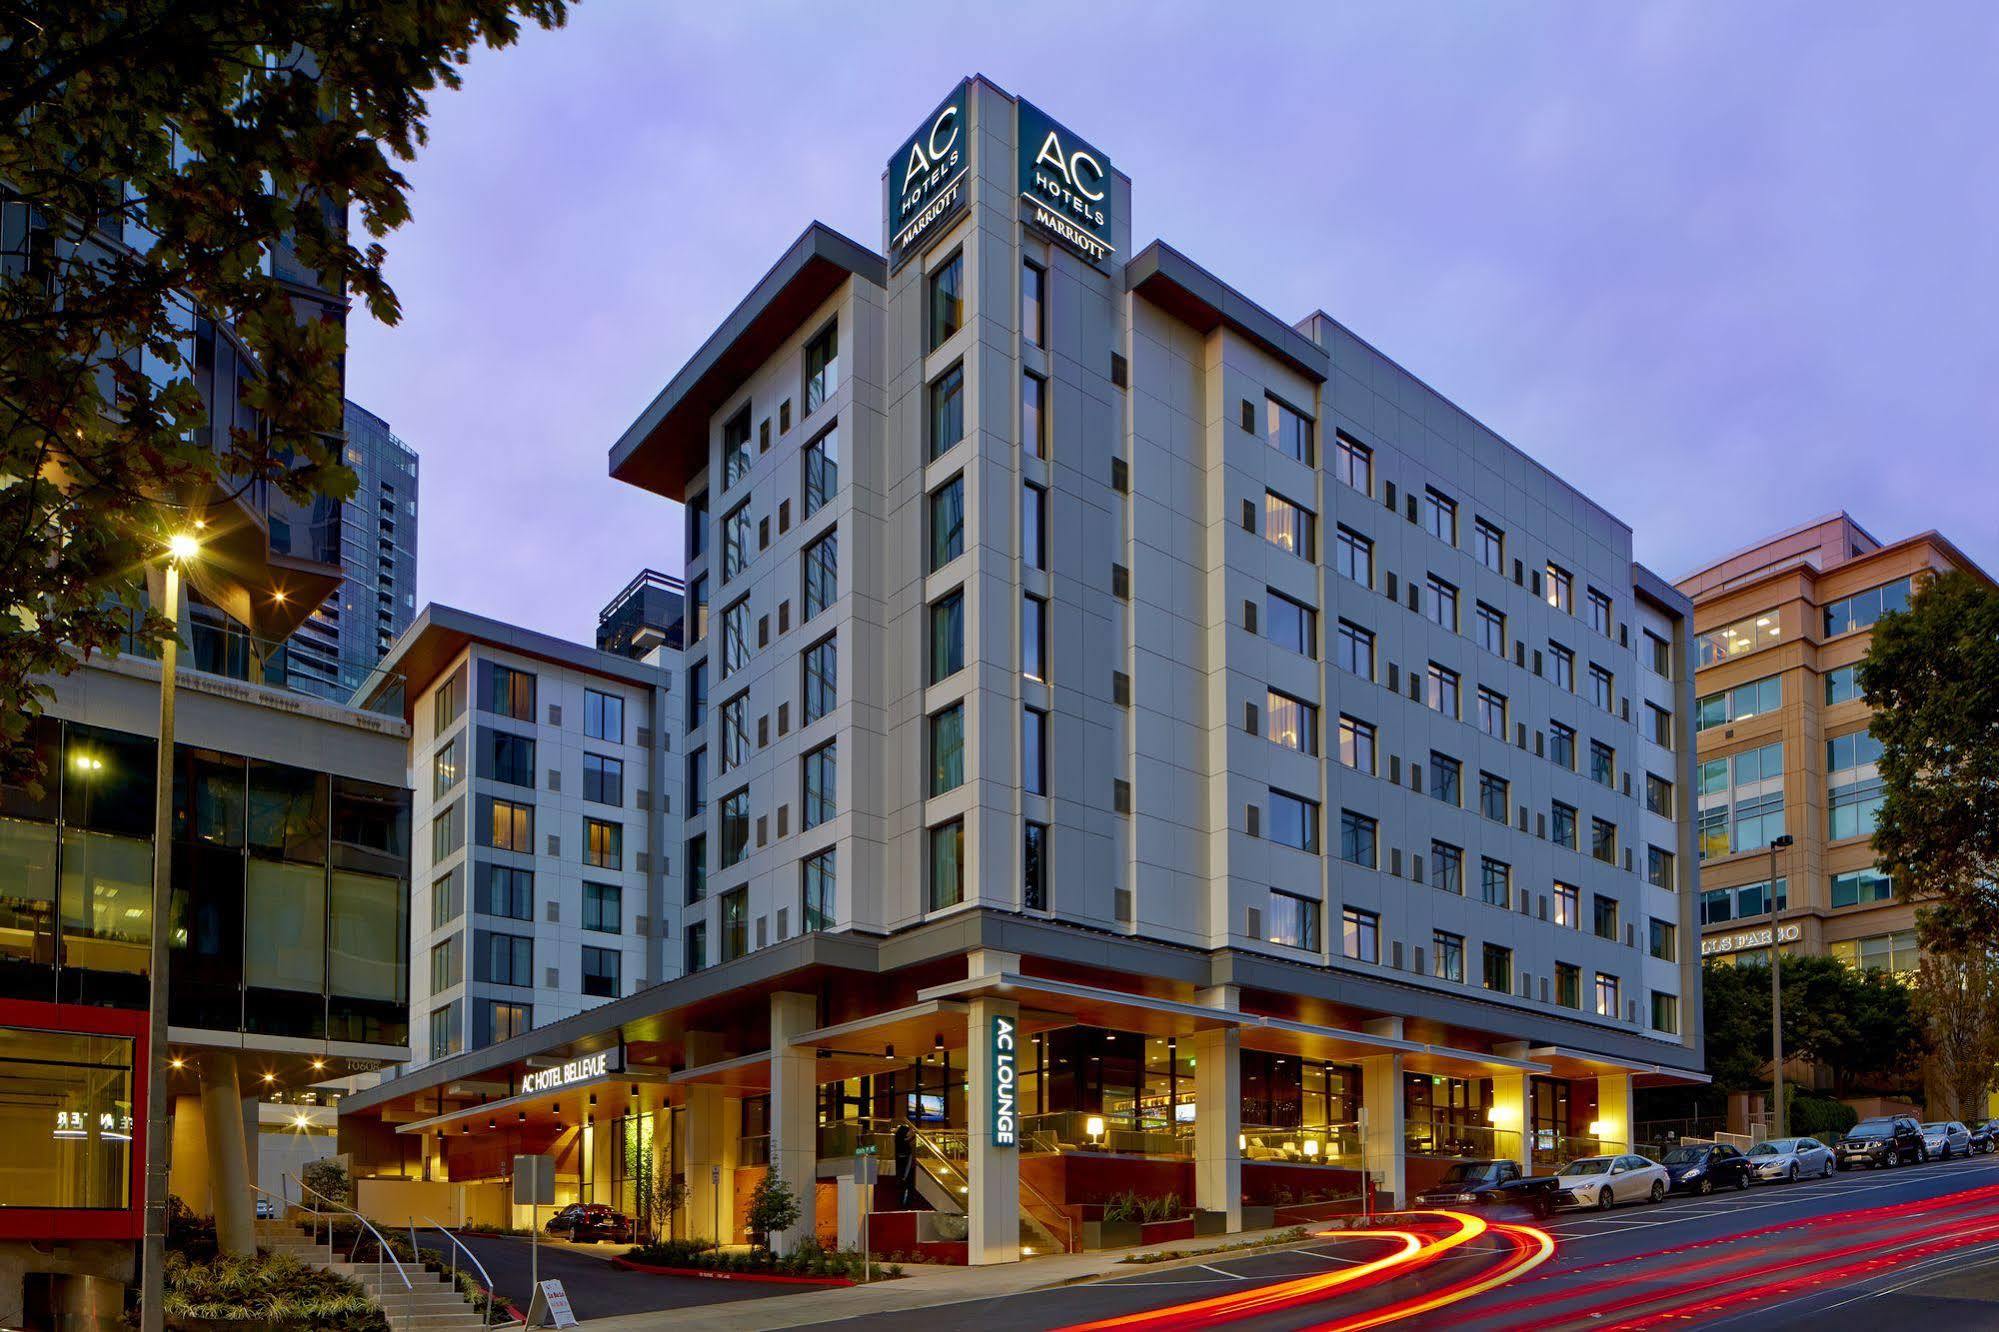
1864 1249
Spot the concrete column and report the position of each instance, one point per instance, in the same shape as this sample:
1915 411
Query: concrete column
189 1179
851 1201
794 1120
1218 1123
993 1209
1511 1134
711 1188
1382 1144
228 1156
1615 1115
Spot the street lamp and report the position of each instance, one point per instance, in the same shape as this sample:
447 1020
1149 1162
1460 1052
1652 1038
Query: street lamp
1777 844
182 548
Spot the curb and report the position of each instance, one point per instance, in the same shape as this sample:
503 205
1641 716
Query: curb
706 1274
1195 1259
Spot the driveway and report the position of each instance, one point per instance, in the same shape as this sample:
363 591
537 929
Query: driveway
595 1288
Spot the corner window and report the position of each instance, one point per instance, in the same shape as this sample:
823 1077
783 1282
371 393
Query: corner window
1033 304
947 411
947 300
822 470
947 635
822 368
947 522
1288 430
947 864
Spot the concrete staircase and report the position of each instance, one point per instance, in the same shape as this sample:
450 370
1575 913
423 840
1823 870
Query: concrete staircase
428 1304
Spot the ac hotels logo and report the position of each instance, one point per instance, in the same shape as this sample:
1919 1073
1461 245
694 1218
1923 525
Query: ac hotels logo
926 177
1065 185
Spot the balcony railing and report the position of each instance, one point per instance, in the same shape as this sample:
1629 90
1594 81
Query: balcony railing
1428 1137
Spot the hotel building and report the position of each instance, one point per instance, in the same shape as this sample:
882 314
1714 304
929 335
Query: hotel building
1128 741
1783 743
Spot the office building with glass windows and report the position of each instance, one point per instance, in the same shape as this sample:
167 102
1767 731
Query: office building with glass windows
1130 742
1783 745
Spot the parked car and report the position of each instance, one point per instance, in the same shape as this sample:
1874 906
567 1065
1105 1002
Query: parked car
1603 1182
586 1223
1946 1138
1791 1159
1492 1184
1704 1167
1985 1137
1887 1140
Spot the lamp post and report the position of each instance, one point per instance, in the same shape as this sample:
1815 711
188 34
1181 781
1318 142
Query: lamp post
1776 995
181 547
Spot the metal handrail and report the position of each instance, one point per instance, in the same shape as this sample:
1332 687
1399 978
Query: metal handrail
458 1247
387 1252
1068 1221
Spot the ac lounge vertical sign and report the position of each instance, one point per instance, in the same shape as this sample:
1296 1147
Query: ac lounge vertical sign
1065 185
926 178
1006 1107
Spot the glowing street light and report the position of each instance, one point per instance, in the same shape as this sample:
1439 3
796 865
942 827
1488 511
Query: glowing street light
183 546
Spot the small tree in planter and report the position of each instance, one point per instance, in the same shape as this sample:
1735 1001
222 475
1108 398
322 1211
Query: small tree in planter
328 1178
773 1208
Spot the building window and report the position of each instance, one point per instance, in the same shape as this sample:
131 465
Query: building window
1498 973
1290 624
498 1020
1446 779
1294 921
1447 953
818 885
1665 1012
697 608
1658 795
947 636
947 749
444 964
505 691
1034 413
1492 712
1604 919
1841 685
1659 725
1741 802
1034 751
735 729
1862 888
947 411
947 300
1294 723
1033 304
697 694
947 522
822 574
737 533
696 519
697 782
444 1031
1603 840
736 455
1034 867
603 716
600 972
1033 637
1288 430
1568 985
509 825
1659 656
1443 601
694 947
505 959
603 780
1562 825
1353 464
504 890
1854 790
447 705
1447 868
1739 639
1358 837
1665 940
735 924
1602 763
1895 953
819 801
1488 545
1289 527
603 844
1495 882
447 897
508 758
1356 739
947 864
1562 745
1354 649
1561 666
1568 905
1492 796
1294 820
697 867
1560 587
1490 627
447 767
1360 938
822 367
447 830
1353 556
1606 995
1441 690
1033 526
1599 611
1659 868
1602 688
822 470
1440 516
604 908
1864 608
1720 905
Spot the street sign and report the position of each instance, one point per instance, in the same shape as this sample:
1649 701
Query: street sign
534 1181
550 1306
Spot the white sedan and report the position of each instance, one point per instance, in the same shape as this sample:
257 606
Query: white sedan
1603 1182
1791 1159
1945 1139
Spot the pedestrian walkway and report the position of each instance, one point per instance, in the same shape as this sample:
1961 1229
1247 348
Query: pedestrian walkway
928 1286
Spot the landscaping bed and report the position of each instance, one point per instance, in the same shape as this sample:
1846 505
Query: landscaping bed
809 1264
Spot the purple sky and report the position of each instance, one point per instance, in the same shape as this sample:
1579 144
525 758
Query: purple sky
1725 267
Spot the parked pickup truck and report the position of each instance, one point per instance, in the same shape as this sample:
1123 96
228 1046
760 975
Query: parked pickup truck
1492 1184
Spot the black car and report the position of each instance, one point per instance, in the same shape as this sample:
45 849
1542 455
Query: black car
1491 1184
1885 1141
1703 1168
1985 1137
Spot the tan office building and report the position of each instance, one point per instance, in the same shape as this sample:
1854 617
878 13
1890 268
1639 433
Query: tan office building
1781 734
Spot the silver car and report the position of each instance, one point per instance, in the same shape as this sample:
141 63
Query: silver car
1946 1138
1603 1182
1791 1159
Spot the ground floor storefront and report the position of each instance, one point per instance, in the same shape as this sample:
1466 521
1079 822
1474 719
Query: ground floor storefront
1016 1107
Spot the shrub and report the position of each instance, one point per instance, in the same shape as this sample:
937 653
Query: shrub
809 1259
773 1207
269 1289
187 1234
328 1177
1816 1116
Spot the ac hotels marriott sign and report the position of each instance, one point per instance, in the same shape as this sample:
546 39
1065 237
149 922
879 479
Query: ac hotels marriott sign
926 177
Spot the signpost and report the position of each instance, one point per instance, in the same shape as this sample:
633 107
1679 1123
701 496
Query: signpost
867 1169
534 1184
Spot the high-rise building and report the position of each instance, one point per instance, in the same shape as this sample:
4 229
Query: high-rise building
1784 748
1128 740
333 651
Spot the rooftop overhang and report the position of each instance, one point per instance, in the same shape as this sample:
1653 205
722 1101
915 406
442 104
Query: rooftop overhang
439 634
610 1095
1565 1062
1202 301
668 444
1063 1003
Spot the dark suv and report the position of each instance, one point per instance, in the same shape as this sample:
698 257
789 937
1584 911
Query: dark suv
1889 1140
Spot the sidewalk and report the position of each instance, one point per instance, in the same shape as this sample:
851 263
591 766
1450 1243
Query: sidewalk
927 1286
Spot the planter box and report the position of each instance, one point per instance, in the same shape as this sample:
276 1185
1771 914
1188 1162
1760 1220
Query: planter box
1112 1234
1258 1218
1162 1232
1211 1223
